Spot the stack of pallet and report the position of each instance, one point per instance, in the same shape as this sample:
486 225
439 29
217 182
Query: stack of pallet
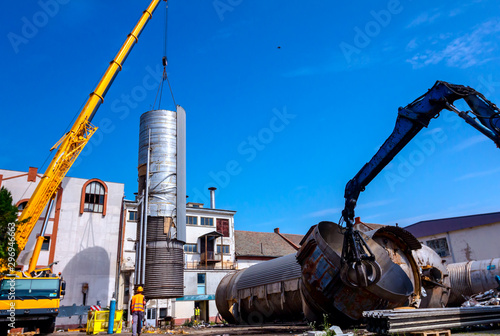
408 320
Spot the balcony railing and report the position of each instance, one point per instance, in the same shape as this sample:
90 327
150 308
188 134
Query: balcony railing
200 265
210 256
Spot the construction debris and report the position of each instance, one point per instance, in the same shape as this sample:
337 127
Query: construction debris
488 298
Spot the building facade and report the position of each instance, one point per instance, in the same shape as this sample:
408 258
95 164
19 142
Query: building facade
81 240
460 239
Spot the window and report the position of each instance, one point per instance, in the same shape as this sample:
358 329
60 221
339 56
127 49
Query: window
31 289
223 226
163 313
225 249
94 197
46 244
151 314
207 221
440 246
132 215
201 283
190 248
192 220
22 205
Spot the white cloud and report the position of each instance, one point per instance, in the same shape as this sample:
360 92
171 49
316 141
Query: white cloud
324 212
375 204
425 18
478 174
412 45
469 142
470 49
338 211
303 71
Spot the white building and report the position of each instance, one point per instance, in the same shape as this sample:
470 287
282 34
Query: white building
209 254
82 236
460 239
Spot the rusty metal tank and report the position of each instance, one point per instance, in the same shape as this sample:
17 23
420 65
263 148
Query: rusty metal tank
308 285
424 266
324 293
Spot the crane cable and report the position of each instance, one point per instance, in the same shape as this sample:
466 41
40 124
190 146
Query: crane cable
165 62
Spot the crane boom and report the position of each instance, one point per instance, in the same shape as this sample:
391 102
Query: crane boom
73 142
484 116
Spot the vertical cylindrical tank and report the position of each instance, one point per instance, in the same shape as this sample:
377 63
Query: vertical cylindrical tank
472 277
162 134
158 131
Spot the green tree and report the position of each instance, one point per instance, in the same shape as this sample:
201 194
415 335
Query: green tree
8 215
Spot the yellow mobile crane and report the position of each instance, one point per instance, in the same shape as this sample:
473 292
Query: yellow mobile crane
31 298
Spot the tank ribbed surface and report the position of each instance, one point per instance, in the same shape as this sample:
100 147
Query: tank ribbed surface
164 270
156 229
276 270
262 293
459 282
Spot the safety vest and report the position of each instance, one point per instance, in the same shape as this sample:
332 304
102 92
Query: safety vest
197 311
137 303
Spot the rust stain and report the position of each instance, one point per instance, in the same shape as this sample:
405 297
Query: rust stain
468 252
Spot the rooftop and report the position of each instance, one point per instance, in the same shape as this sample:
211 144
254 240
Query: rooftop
265 244
436 226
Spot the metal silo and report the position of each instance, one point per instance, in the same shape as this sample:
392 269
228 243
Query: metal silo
161 228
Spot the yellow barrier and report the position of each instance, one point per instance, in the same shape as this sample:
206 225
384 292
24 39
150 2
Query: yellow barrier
97 321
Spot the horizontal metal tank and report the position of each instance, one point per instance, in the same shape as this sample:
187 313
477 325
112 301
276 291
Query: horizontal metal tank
308 285
472 277
262 293
163 132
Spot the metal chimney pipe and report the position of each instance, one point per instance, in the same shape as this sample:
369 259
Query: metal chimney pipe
212 197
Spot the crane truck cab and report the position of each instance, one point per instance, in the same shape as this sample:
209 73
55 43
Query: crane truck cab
30 302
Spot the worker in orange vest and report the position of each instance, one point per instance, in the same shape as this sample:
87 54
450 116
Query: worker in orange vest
137 307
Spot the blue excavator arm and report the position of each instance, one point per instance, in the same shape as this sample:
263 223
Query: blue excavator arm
359 265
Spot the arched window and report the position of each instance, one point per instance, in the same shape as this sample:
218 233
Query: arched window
21 205
94 195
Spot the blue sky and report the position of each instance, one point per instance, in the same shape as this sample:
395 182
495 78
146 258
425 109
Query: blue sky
285 100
